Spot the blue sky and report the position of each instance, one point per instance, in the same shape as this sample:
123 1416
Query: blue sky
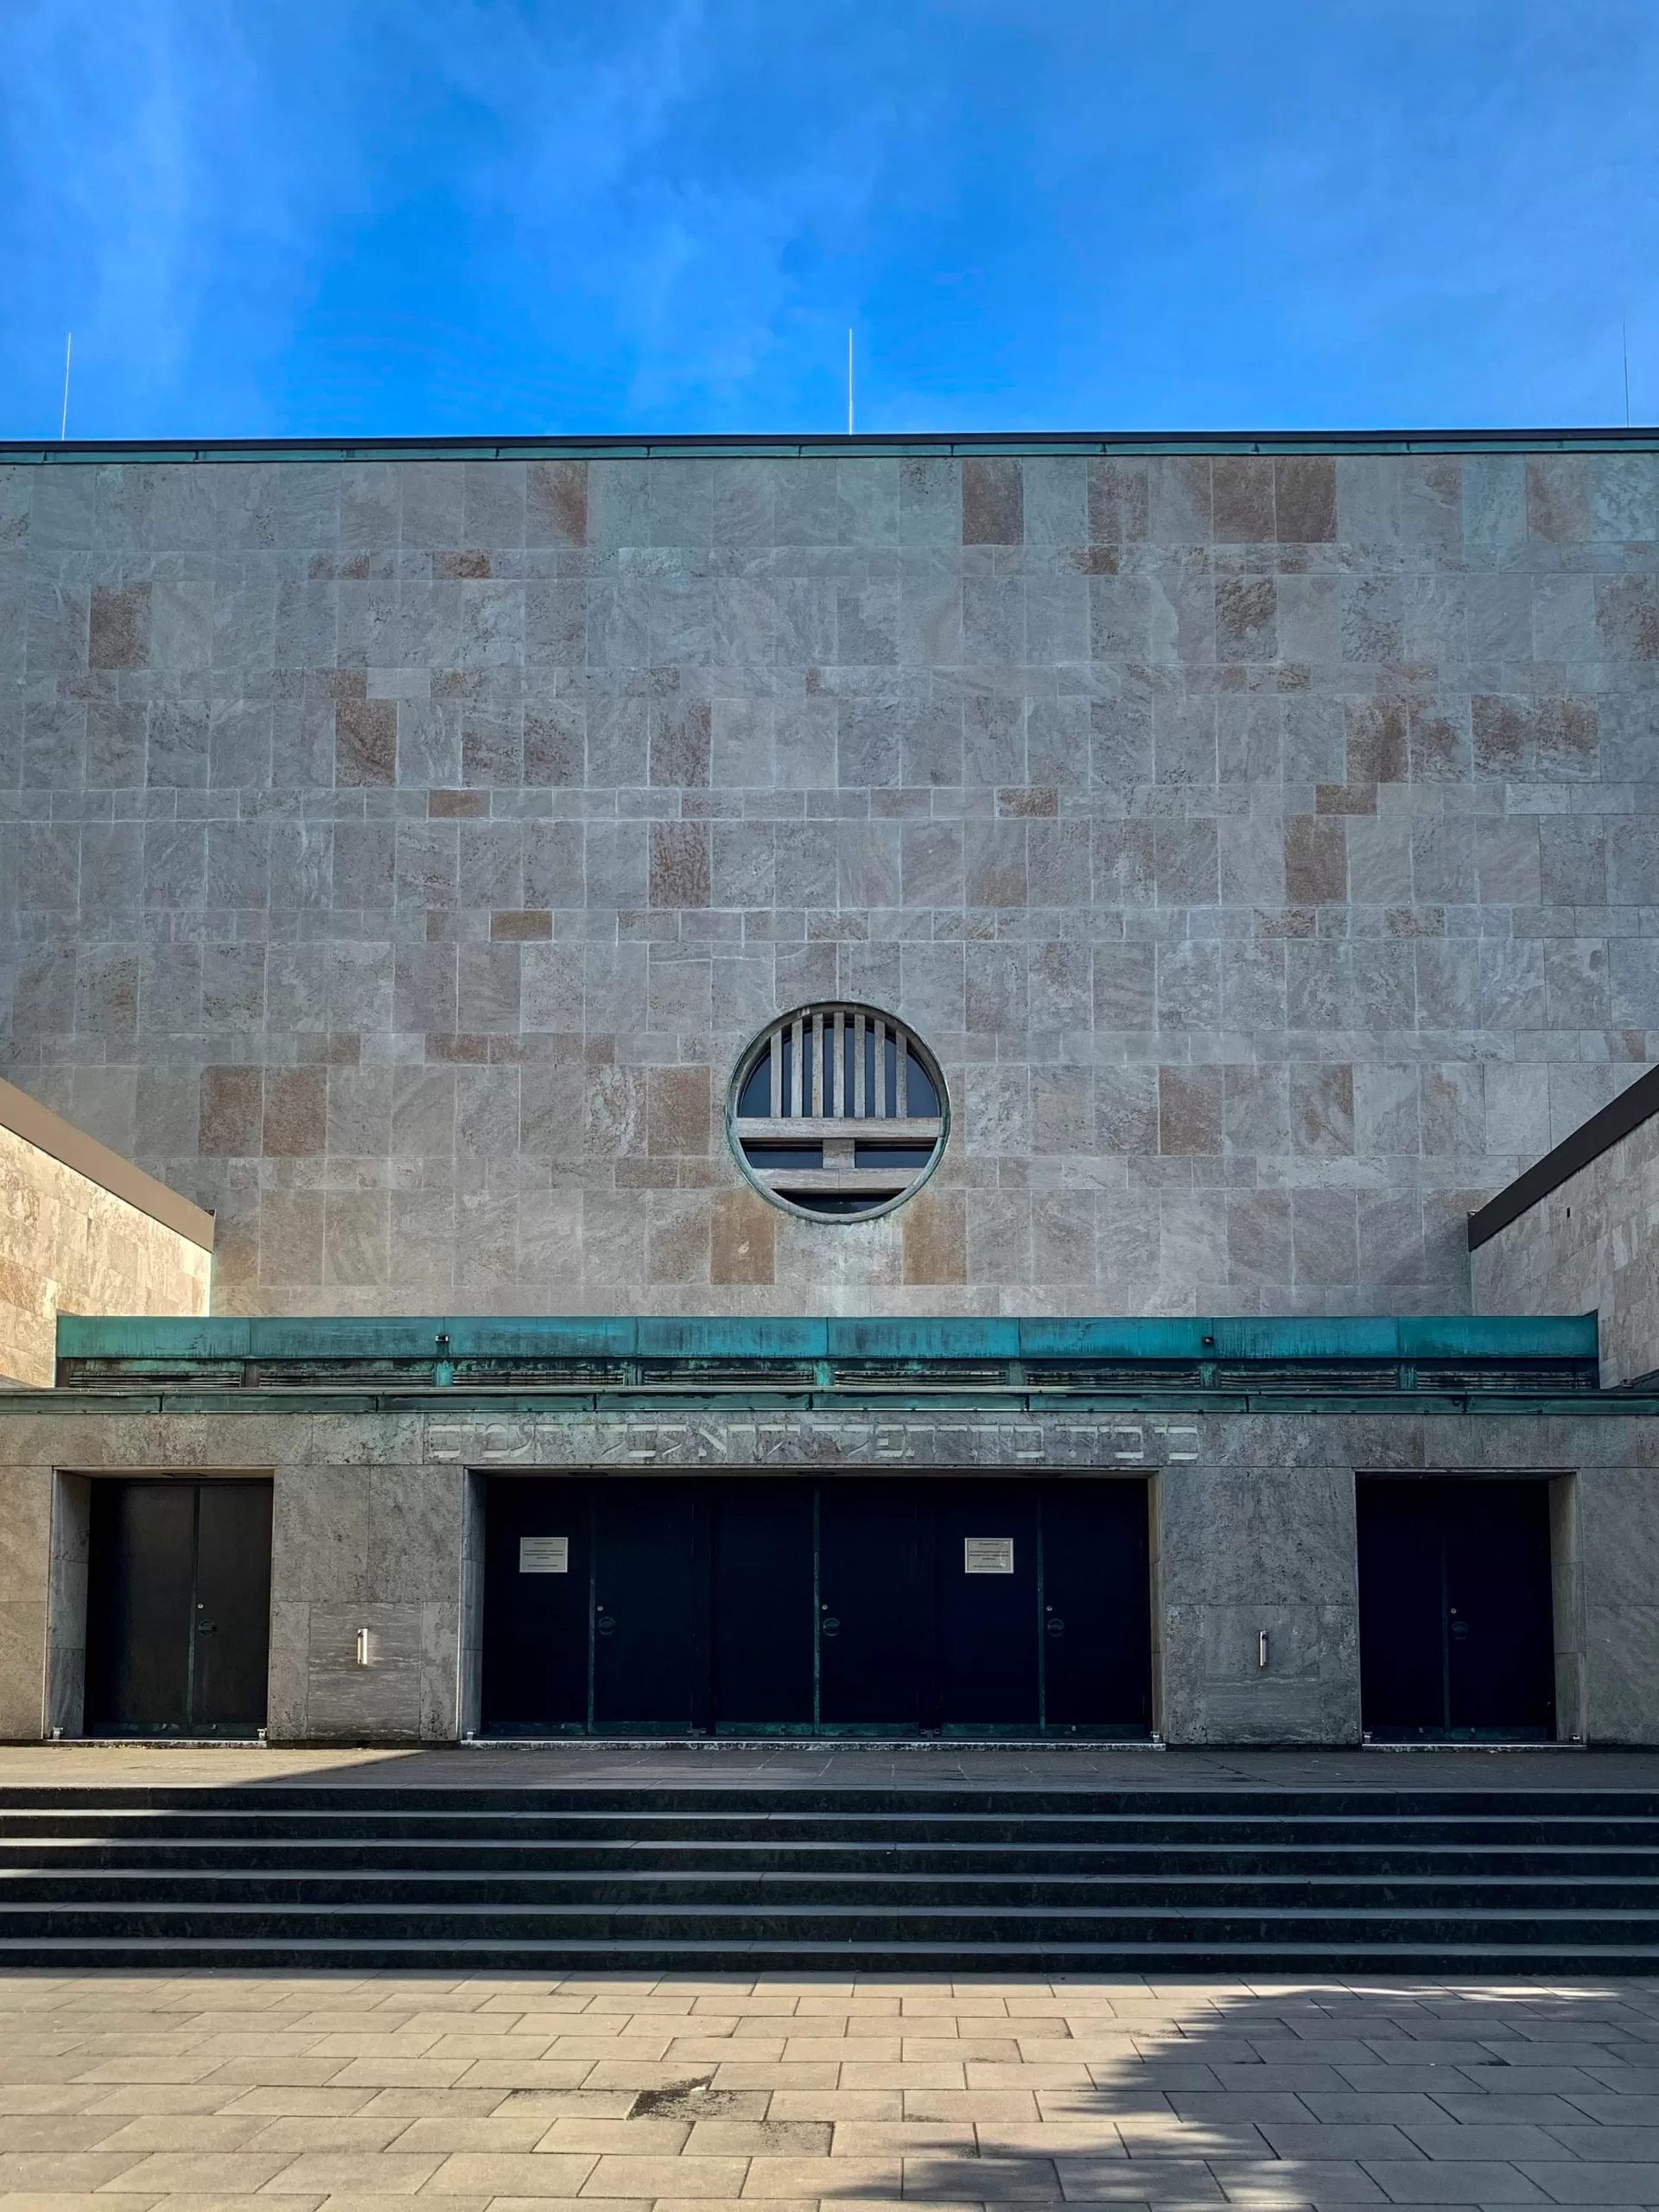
398 217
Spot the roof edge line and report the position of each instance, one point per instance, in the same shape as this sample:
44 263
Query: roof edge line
1638 1102
804 444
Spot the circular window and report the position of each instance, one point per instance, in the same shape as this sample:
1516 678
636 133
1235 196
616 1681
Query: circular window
837 1110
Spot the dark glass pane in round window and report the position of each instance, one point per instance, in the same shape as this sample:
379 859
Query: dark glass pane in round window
815 1100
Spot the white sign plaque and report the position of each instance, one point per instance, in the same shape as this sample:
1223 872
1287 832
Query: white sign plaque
543 1554
987 1555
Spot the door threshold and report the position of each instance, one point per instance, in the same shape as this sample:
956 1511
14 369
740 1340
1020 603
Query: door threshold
1463 1743
812 1742
158 1742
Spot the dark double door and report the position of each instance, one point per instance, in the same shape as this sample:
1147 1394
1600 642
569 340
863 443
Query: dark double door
178 1608
1456 1622
878 1607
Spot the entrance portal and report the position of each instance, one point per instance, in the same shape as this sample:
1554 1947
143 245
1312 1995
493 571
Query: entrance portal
1456 1626
178 1608
872 1606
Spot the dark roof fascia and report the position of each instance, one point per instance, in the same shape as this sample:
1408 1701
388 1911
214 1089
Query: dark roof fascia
1633 1106
782 448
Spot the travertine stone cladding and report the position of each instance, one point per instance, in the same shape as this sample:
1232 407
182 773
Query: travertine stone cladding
395 857
1589 1245
376 1524
68 1245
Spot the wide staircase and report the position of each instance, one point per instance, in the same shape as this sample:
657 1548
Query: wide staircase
748 1880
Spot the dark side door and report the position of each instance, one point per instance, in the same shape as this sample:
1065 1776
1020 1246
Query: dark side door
1456 1621
178 1608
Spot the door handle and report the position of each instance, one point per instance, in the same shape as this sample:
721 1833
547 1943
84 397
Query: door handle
1055 1626
605 1624
206 1628
831 1625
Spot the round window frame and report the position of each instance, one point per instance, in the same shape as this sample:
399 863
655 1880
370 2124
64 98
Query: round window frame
745 1066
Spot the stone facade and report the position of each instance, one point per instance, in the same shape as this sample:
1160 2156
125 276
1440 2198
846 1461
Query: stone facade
376 1515
394 856
1591 1244
70 1243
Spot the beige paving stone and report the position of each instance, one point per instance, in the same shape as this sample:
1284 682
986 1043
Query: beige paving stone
756 2138
961 2104
599 2104
502 2073
994 2180
924 2050
869 2138
502 2203
397 2072
350 2131
756 1998
837 2105
196 2173
697 2051
387 2172
70 2170
653 2048
291 2073
1149 2181
548 2003
446 2132
1098 2137
56 2131
856 2000
866 2202
732 2203
509 2203
350 2200
864 2051
900 2074
614 2175
500 2173
421 2045
321 2101
1204 2139
513 2048
579 2132
178 2130
128 2097
1002 2074
787 2074
140 2069
825 2177
48 2200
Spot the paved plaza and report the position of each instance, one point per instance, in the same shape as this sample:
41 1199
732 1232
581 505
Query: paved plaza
217 2090
825 1765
